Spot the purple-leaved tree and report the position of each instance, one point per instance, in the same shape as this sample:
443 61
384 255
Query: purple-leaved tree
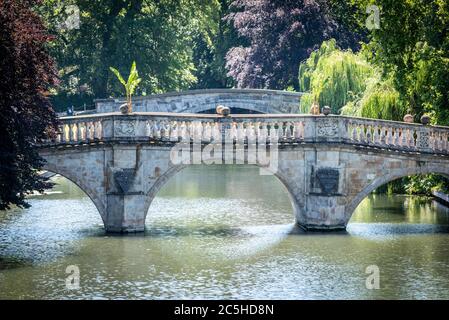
27 72
280 35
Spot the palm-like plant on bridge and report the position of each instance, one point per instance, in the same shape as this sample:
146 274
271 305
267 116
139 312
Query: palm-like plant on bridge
130 85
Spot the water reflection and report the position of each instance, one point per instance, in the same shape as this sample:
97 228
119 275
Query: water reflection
223 232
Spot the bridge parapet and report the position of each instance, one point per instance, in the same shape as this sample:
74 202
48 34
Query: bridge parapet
328 164
197 101
269 128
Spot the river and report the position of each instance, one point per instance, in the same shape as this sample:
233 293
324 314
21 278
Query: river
223 232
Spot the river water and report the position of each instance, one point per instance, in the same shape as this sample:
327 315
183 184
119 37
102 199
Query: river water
223 232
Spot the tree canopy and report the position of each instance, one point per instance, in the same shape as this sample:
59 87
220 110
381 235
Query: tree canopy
26 117
412 48
158 35
280 34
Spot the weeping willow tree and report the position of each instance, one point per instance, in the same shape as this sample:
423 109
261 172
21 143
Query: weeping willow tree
347 83
333 77
380 101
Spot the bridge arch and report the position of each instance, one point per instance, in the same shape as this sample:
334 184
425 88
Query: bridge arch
389 177
200 101
297 207
80 183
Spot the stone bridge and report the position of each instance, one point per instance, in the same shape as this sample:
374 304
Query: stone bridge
200 101
328 164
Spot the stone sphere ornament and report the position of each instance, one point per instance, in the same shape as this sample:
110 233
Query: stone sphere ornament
326 110
408 118
124 108
222 110
425 119
315 109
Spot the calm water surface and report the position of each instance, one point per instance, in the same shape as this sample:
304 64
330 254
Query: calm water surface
224 232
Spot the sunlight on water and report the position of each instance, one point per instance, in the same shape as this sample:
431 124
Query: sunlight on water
223 232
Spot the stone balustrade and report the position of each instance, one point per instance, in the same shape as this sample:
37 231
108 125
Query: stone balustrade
268 128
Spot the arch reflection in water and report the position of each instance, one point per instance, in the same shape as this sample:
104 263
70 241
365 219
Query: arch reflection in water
238 210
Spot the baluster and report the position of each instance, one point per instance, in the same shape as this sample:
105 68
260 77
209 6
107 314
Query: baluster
251 132
444 141
288 131
411 142
74 132
354 132
174 131
99 130
94 130
63 133
188 131
240 133
166 130
281 132
71 136
273 132
88 131
432 140
187 136
362 138
396 139
156 130
439 141
369 135
163 130
298 131
256 126
216 134
404 138
263 134
207 132
436 141
199 131
79 136
182 130
376 136
383 136
389 138
149 129
193 128
203 131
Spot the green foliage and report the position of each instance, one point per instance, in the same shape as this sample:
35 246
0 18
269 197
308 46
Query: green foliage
412 46
131 84
379 101
209 51
425 184
412 49
347 82
159 35
333 77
